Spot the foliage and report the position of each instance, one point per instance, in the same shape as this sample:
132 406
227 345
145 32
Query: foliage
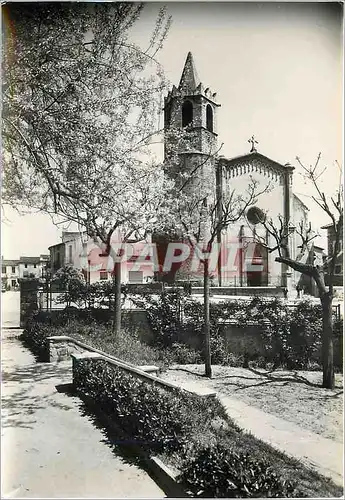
35 337
164 316
291 335
72 281
81 106
219 472
182 354
280 233
87 295
93 328
150 414
216 458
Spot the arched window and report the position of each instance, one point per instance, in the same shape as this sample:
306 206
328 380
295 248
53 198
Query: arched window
209 118
187 113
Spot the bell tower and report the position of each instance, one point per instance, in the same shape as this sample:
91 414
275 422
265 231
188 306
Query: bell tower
191 109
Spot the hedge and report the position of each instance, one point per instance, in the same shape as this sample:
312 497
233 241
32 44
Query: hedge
92 328
149 413
219 472
291 335
159 420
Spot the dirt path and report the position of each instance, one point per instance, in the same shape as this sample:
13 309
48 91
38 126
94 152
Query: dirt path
294 396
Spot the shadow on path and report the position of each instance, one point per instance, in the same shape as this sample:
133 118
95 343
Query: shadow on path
26 390
116 440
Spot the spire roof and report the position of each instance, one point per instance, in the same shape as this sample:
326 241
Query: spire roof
189 79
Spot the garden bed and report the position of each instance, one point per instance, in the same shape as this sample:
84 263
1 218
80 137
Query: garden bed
126 345
213 456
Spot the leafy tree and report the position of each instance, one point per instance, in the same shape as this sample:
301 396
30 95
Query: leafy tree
80 108
72 282
332 206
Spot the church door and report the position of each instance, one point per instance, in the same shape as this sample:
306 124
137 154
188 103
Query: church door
260 259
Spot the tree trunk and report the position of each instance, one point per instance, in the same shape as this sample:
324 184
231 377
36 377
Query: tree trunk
326 298
208 370
327 342
117 299
47 284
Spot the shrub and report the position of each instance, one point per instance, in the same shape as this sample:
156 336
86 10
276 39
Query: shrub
148 413
164 316
35 338
217 472
183 354
82 326
291 335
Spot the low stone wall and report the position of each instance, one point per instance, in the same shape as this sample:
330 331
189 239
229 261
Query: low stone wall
147 287
137 372
247 291
64 347
61 347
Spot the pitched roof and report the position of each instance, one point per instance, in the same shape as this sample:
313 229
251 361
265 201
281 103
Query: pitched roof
29 260
57 245
9 262
190 85
301 202
189 79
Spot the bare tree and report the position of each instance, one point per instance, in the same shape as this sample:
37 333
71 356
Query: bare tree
333 207
202 212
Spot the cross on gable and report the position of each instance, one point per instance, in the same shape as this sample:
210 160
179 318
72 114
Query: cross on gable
253 141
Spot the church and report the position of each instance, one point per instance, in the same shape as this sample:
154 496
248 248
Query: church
194 108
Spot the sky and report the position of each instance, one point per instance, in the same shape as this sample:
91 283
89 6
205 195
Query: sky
277 70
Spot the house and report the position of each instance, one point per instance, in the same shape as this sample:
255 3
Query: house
32 267
9 274
82 252
12 271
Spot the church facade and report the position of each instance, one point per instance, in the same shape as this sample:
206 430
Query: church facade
194 108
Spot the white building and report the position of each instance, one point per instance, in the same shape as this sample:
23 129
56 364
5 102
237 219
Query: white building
24 268
81 252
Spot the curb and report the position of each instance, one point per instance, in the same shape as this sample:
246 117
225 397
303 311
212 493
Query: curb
162 474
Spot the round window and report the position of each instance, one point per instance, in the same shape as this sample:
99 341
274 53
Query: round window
255 215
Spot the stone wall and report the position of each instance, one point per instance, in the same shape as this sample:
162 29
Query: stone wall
136 319
247 291
28 299
60 348
243 340
137 372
